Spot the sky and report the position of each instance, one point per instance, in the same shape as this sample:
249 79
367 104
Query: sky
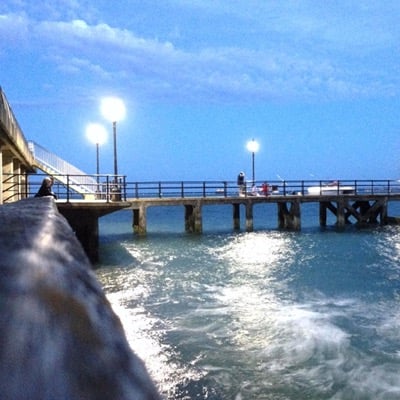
315 82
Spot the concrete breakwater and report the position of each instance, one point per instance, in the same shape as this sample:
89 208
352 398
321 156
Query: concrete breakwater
59 337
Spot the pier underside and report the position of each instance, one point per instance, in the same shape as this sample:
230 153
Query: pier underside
346 210
361 212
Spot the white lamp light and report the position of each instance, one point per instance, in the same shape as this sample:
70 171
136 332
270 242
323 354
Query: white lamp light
253 146
97 134
113 109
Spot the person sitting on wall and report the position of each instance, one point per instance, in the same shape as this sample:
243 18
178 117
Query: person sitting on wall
45 188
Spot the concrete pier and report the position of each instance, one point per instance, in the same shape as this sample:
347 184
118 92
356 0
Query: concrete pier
59 337
347 209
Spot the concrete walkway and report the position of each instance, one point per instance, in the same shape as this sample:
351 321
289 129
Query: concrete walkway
59 337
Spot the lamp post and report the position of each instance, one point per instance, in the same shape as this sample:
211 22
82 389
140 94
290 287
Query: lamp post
253 147
113 109
97 134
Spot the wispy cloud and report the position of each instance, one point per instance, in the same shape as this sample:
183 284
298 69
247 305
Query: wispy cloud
311 64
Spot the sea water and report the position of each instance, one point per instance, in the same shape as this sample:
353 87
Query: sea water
267 314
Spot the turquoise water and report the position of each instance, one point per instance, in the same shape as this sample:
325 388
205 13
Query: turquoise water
263 315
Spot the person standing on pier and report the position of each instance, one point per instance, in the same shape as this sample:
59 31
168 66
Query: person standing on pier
241 184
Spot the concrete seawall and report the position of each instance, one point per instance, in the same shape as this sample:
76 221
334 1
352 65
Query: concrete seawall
59 338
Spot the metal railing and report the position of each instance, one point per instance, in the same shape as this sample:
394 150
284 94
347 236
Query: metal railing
110 188
56 166
182 189
102 187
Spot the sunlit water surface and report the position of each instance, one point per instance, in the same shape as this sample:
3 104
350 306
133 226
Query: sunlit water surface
263 315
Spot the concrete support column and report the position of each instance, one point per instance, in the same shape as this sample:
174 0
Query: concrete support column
282 211
249 217
8 168
16 180
236 216
295 212
322 213
340 214
384 212
289 218
193 218
140 220
85 224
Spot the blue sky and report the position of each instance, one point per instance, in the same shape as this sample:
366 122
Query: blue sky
315 82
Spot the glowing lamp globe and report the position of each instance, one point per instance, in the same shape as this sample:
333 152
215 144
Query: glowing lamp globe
113 109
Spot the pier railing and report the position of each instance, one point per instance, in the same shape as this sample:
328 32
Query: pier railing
182 189
68 187
111 188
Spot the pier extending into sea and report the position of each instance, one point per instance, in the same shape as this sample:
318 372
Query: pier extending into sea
351 202
361 202
83 198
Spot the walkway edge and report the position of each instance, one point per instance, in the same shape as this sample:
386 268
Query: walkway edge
59 335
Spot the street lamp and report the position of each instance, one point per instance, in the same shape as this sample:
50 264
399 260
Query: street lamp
253 147
113 109
97 134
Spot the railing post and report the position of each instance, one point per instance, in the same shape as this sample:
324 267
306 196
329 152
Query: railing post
284 188
182 190
108 189
124 183
136 190
159 190
225 189
204 189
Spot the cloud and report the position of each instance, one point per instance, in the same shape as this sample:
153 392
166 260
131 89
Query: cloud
301 56
14 29
160 69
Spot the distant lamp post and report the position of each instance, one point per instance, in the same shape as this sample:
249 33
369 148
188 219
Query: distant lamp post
113 109
97 134
253 147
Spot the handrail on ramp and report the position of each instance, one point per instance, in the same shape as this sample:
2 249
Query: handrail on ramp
54 165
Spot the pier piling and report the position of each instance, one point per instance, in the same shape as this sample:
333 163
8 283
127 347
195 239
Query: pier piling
140 220
236 216
289 217
193 218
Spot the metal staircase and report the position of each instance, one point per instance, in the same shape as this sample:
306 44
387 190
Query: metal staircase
64 172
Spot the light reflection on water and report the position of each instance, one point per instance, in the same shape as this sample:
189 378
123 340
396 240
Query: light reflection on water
265 315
